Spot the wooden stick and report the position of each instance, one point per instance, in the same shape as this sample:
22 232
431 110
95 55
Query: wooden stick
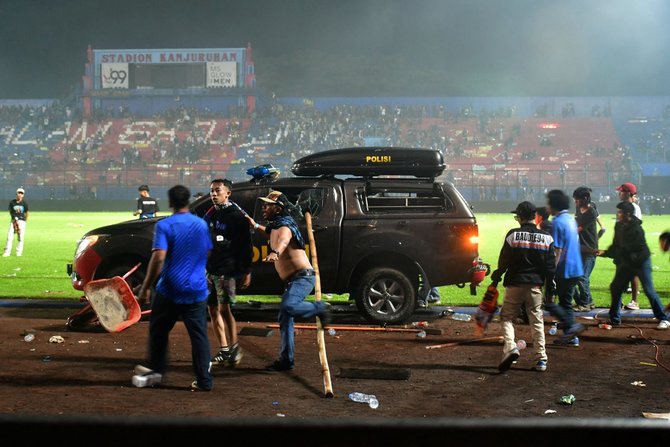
472 340
320 339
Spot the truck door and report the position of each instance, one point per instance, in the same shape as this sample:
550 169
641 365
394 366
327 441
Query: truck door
325 201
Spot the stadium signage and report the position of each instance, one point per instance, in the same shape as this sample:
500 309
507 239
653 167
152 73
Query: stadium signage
166 57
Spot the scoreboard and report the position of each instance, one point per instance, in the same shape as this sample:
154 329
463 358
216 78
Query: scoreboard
171 69
140 74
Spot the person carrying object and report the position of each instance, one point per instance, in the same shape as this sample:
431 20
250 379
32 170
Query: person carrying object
527 262
287 252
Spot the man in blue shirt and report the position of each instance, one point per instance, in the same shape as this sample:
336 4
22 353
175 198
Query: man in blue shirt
180 250
569 268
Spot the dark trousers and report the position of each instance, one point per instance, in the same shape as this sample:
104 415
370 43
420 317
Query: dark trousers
624 274
565 288
164 315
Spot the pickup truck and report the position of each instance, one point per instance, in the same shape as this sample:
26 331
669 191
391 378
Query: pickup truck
385 230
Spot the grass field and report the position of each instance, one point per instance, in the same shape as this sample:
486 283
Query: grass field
51 238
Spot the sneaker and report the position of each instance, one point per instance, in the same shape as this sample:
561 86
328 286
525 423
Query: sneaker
592 306
613 323
221 357
664 324
632 306
573 341
629 290
196 387
145 377
279 365
581 308
541 365
141 370
508 359
235 356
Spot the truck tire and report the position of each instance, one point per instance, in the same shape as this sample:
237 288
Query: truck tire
385 296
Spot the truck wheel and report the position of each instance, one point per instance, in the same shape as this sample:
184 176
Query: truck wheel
385 296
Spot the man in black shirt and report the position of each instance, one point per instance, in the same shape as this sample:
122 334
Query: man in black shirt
528 262
586 217
147 206
228 267
18 213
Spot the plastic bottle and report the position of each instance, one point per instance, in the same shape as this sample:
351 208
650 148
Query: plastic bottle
29 337
419 323
421 334
521 344
461 317
553 329
332 332
370 399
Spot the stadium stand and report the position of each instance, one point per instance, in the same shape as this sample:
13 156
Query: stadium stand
507 153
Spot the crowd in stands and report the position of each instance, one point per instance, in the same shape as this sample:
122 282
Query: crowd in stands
495 149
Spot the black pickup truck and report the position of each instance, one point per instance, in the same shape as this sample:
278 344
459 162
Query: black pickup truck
384 229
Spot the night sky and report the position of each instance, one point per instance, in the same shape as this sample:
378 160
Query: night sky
359 47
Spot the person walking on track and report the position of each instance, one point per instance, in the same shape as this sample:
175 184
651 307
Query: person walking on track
632 257
528 263
180 249
569 268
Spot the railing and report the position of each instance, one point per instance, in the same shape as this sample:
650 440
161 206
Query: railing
475 183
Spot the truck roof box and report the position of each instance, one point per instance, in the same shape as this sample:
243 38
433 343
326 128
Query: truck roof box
372 162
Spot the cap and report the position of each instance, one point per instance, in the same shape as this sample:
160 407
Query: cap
627 187
275 197
525 209
143 188
21 190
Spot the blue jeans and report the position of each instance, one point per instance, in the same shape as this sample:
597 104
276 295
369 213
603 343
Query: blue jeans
293 305
583 296
565 288
164 315
623 275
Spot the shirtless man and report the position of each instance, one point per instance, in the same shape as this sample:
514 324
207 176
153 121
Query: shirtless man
287 252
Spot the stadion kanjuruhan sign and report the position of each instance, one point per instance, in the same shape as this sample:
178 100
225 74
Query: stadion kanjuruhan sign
221 74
